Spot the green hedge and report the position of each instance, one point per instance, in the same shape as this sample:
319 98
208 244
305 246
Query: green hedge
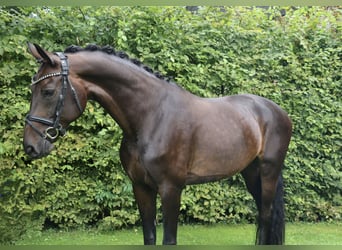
294 60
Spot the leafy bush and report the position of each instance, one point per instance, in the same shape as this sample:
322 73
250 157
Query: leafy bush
294 60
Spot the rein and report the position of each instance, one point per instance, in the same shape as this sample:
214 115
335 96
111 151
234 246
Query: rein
55 129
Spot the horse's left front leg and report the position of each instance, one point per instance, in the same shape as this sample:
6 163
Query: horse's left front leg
170 199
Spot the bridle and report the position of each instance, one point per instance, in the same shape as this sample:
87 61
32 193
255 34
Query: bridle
54 128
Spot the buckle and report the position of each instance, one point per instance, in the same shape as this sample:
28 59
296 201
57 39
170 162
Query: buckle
51 133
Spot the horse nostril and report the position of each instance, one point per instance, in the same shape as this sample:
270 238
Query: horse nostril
30 150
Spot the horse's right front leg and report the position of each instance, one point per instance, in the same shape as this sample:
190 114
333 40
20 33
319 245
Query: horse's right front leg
146 200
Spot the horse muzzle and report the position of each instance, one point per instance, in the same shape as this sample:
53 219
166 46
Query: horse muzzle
38 149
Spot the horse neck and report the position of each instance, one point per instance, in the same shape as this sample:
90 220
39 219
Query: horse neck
124 90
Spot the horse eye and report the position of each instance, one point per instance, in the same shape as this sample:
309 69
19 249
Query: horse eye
48 92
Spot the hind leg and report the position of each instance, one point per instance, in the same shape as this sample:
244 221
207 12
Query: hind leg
263 182
269 175
251 175
263 176
271 214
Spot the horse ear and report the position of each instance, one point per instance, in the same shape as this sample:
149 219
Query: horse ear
40 54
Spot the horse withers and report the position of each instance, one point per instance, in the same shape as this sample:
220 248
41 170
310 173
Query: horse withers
171 137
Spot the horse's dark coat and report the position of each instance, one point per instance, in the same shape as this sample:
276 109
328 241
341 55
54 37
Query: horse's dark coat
171 137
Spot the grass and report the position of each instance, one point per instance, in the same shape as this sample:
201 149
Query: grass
296 234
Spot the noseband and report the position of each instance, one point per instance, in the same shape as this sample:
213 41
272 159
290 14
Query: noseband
55 129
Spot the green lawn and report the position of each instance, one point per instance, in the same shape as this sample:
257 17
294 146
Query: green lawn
296 234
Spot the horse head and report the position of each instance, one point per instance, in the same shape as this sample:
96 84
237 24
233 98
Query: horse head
57 99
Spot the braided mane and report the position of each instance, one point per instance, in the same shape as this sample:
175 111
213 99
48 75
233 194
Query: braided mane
111 51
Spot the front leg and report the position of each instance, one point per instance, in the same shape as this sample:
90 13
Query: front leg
170 198
146 200
144 195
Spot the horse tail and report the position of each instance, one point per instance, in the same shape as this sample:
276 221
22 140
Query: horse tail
276 233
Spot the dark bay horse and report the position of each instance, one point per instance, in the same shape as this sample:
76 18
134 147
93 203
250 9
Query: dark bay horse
171 137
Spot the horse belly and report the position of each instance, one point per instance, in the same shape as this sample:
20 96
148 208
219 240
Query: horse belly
213 167
220 153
